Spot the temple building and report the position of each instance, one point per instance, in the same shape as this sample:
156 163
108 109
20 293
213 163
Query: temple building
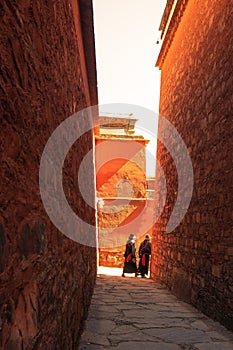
121 185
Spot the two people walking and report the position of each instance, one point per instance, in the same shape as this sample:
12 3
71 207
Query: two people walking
144 253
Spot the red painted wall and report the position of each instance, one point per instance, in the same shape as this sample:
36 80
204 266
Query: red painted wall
46 279
120 173
195 260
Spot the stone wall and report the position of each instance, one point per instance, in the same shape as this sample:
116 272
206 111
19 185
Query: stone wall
120 167
46 279
195 260
114 257
118 180
112 236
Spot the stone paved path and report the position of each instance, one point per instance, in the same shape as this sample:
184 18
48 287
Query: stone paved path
134 313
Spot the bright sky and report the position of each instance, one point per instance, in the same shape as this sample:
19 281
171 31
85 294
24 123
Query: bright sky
126 32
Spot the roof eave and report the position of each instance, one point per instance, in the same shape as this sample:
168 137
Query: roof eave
169 24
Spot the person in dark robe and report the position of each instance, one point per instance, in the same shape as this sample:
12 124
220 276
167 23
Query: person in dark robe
130 256
144 255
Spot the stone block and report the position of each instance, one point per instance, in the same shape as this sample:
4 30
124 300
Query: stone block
46 279
217 270
196 97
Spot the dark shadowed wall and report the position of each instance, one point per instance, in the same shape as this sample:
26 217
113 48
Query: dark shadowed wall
46 278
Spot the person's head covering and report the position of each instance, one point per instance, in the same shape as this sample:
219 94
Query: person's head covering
131 238
148 237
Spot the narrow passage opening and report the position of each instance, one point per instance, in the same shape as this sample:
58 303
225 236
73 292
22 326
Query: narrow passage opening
127 45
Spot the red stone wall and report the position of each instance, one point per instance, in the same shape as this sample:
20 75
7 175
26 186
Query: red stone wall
46 279
113 172
114 257
196 259
118 178
122 213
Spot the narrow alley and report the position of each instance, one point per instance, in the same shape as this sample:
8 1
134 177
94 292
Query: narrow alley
134 313
84 171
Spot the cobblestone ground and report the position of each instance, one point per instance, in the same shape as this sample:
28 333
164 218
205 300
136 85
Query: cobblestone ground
134 313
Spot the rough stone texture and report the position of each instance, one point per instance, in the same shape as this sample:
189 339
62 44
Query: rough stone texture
195 260
46 279
121 183
121 317
114 257
120 168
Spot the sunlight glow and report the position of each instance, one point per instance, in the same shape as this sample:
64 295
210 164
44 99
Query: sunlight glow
127 44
